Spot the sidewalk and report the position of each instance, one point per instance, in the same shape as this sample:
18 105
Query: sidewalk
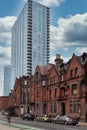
6 127
12 126
82 123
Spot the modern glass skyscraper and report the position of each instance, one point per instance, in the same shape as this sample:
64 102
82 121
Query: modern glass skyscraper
7 80
30 39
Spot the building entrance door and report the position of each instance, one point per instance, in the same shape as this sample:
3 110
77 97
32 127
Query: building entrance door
63 108
44 108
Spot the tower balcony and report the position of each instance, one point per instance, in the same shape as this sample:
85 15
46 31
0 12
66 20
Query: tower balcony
48 54
29 42
29 18
30 14
48 46
29 34
48 26
29 31
30 22
29 26
29 62
29 67
29 38
48 31
48 37
48 60
29 4
29 49
29 1
29 52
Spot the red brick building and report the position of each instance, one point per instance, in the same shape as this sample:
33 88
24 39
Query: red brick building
25 83
4 102
40 92
59 88
19 96
73 88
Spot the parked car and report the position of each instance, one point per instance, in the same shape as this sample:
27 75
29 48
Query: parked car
65 120
43 118
28 117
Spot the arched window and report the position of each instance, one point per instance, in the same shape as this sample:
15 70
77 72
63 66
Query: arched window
74 89
71 73
83 87
76 71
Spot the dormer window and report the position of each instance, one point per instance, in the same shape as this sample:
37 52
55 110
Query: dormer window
53 80
62 77
37 76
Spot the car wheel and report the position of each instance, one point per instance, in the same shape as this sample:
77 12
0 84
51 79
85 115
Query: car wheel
54 122
74 124
65 123
43 120
50 121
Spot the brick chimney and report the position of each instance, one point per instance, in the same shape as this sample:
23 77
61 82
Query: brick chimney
58 60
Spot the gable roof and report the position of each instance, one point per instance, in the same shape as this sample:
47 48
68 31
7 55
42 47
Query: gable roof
44 69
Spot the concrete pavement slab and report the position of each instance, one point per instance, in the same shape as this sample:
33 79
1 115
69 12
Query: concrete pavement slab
82 123
7 127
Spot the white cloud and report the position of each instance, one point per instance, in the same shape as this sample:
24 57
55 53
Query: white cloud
49 2
5 52
80 50
5 37
71 32
5 28
5 55
25 0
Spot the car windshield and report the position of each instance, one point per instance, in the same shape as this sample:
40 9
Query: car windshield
26 115
66 118
57 117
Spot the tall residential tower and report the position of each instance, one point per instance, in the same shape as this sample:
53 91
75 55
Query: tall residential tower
7 80
30 40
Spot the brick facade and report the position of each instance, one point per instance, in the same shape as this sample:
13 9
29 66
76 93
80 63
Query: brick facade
3 102
59 88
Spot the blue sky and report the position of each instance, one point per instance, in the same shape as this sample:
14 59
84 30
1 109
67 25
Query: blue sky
68 28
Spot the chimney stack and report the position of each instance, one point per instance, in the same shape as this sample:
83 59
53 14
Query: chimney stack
58 59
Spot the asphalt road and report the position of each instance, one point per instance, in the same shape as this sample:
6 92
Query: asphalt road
44 126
